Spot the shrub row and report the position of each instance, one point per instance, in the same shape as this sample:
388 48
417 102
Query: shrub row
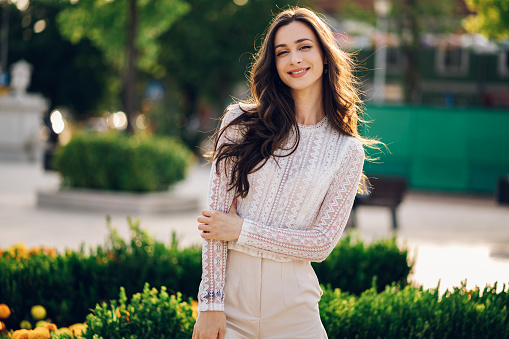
117 162
395 313
70 284
416 313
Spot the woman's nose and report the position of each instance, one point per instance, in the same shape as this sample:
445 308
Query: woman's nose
295 59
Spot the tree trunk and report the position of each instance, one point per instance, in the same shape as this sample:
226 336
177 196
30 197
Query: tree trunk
4 37
130 77
409 22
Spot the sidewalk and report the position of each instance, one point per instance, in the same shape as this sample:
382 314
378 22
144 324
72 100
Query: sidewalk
451 238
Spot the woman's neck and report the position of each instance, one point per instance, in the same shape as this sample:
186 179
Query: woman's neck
308 107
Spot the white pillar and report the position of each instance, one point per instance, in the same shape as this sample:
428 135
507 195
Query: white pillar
380 61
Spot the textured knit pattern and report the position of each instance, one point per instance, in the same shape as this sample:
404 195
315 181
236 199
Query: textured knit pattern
297 206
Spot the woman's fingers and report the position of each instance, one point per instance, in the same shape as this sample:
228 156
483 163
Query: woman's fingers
203 220
204 227
207 213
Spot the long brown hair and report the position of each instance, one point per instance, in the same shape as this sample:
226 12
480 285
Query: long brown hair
268 124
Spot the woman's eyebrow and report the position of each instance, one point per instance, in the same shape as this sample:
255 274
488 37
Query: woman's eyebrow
300 40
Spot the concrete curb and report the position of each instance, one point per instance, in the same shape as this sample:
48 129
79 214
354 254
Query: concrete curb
111 202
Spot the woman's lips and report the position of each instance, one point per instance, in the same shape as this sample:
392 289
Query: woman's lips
299 72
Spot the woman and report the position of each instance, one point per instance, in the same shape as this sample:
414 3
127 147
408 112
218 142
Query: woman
286 170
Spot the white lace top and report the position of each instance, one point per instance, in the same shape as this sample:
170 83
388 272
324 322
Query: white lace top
296 208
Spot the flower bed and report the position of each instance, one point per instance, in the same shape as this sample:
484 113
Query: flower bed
69 284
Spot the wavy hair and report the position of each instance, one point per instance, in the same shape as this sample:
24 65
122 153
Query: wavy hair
268 124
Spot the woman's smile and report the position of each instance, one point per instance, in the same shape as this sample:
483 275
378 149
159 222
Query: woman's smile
300 72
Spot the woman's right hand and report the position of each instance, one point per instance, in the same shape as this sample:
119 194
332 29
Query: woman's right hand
210 325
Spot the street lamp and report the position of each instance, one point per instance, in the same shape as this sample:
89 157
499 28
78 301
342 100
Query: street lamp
382 8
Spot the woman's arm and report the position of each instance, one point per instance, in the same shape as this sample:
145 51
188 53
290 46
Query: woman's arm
214 252
317 242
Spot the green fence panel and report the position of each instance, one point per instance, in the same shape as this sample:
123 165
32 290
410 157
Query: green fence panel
444 149
391 125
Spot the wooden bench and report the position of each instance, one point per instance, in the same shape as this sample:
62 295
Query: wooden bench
384 191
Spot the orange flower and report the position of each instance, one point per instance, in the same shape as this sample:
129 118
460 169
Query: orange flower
50 252
5 311
2 326
194 307
51 326
39 333
20 334
77 329
119 315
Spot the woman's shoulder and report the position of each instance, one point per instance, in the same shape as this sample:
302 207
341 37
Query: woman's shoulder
234 111
354 147
347 144
237 109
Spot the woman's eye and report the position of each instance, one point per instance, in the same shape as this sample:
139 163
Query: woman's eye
281 53
305 47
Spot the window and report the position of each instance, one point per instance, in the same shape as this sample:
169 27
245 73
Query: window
503 63
395 61
452 61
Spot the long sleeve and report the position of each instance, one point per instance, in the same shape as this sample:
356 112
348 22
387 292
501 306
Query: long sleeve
214 252
317 241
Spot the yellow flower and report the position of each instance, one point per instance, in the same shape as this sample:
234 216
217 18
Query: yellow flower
38 312
41 323
25 324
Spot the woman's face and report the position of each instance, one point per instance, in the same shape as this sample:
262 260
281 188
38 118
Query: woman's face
299 57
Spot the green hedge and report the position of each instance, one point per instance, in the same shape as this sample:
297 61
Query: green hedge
70 284
416 313
394 313
353 265
116 162
150 314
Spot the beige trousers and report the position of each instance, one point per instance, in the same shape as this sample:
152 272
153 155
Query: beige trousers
266 299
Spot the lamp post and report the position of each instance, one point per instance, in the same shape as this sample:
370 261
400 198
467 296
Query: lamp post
382 8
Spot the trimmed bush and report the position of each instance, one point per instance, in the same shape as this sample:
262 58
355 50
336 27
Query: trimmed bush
395 313
150 314
116 162
353 265
70 284
416 313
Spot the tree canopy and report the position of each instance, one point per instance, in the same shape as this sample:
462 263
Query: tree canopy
104 23
491 18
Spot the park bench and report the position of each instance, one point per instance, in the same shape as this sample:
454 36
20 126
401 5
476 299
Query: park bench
384 191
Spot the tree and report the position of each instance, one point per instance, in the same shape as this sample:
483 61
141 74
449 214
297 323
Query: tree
491 18
73 76
410 20
208 50
125 31
413 18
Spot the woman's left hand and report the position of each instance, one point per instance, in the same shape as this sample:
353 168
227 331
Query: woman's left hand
220 226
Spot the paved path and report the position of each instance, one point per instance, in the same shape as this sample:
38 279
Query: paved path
452 238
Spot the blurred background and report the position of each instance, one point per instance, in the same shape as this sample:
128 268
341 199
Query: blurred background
434 76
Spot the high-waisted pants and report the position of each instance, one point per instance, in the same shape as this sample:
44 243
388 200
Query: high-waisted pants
266 299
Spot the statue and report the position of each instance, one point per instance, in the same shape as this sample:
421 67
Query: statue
21 116
20 77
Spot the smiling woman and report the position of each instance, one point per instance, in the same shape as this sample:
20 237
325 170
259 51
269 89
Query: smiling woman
286 167
300 63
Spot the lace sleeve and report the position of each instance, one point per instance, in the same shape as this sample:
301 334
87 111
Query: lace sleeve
318 241
214 252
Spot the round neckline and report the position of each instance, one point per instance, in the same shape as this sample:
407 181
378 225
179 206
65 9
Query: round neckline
314 126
